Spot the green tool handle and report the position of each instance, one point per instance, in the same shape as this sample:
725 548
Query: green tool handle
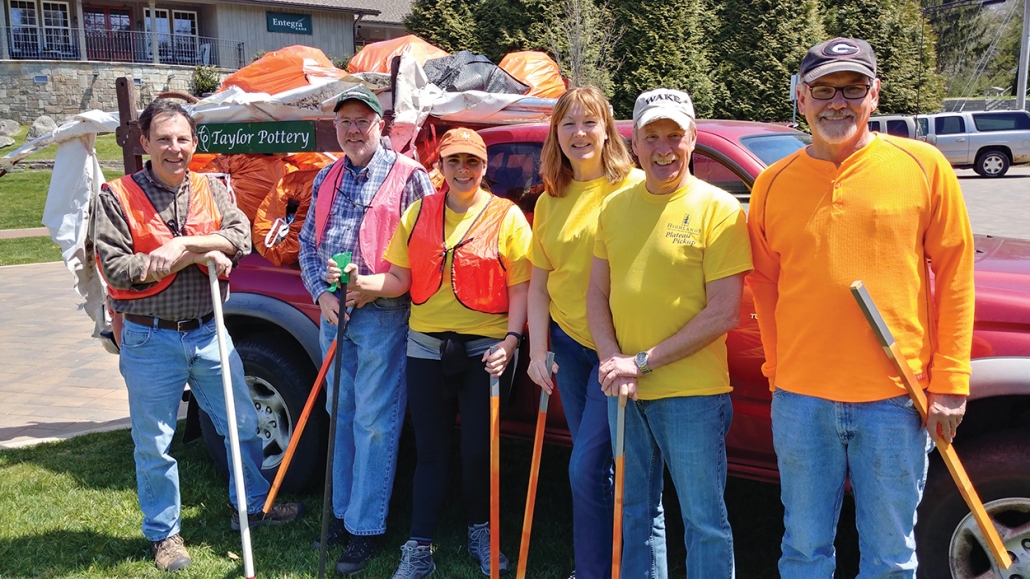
342 260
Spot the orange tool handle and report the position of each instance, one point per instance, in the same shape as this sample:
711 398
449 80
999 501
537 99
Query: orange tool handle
534 475
965 486
620 482
495 477
301 423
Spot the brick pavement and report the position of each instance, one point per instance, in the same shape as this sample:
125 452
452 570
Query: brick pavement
56 381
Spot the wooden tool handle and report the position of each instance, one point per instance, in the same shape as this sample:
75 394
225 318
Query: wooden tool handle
897 359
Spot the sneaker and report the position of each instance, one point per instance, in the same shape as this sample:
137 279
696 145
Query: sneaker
170 554
337 535
416 562
360 551
479 548
279 513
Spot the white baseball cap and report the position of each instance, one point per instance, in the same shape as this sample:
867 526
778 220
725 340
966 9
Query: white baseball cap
663 103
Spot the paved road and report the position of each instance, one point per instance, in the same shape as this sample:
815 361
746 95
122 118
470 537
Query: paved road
999 206
56 381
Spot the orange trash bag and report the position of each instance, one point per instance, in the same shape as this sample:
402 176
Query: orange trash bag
200 160
538 70
376 57
251 177
285 69
276 227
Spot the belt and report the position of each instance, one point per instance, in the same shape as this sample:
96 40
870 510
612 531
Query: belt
181 325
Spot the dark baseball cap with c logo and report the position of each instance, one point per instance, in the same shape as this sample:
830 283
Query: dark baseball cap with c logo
839 55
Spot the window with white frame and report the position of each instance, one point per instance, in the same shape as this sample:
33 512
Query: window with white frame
176 34
57 34
40 29
24 29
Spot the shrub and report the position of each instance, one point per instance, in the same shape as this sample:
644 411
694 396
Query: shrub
205 80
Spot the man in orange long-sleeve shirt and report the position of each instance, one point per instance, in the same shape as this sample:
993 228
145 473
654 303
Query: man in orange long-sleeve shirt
857 205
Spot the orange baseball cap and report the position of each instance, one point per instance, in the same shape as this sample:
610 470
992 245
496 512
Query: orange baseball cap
462 140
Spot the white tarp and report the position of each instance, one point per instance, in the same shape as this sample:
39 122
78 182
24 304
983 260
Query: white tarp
74 186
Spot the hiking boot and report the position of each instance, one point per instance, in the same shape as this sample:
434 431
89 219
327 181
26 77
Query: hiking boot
170 554
279 513
360 551
416 562
479 548
337 535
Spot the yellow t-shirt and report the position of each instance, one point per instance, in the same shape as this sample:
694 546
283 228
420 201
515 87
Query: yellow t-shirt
443 312
563 245
662 250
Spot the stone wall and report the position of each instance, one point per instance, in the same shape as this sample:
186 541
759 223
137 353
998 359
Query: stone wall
72 86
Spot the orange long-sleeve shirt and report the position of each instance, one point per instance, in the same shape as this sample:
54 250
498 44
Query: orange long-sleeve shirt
815 228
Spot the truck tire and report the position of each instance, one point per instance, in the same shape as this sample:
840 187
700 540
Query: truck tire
279 380
998 465
992 163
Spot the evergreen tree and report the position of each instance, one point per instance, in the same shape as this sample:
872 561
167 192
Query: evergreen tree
511 25
758 47
449 24
895 29
663 45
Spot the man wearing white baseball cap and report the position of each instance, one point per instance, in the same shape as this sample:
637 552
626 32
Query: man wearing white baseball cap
670 256
857 205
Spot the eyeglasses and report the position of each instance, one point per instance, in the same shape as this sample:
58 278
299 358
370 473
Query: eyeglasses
851 92
362 124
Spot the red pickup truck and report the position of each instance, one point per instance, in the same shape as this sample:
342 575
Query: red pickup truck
275 326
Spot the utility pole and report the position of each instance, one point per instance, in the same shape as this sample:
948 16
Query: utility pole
1024 49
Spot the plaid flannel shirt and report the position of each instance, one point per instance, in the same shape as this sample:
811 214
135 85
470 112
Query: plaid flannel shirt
357 187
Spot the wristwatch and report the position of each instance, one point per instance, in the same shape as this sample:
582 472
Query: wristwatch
641 360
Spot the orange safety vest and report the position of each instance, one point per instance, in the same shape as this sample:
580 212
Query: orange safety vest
150 232
381 217
478 277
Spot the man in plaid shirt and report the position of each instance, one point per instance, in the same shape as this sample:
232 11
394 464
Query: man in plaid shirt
154 231
357 202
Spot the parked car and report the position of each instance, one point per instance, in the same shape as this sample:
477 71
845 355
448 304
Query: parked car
274 324
988 142
897 125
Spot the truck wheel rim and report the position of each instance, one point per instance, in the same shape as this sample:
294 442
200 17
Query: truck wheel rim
274 424
970 557
992 164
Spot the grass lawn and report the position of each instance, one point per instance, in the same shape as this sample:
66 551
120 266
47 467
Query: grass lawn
70 510
23 195
106 146
28 250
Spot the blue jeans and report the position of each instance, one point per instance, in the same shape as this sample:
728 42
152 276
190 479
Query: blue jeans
157 364
371 411
590 467
882 447
687 433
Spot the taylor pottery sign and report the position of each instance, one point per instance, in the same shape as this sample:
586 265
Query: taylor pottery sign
284 137
289 23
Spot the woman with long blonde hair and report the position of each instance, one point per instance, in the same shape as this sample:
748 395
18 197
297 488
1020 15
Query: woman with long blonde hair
583 160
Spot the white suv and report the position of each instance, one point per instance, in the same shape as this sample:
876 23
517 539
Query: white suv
988 142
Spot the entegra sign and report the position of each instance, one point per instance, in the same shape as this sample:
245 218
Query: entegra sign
285 137
292 23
